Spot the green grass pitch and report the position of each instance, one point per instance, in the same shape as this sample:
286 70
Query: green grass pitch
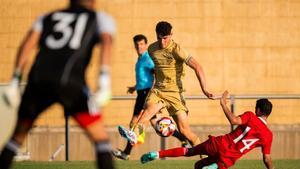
161 164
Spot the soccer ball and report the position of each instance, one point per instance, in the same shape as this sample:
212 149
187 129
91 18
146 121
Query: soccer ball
165 127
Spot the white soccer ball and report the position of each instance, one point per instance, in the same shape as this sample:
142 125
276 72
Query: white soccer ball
165 127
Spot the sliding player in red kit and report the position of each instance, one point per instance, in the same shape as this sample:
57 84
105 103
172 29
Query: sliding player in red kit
224 151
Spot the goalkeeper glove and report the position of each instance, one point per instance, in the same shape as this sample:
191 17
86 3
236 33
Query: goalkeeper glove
12 94
103 94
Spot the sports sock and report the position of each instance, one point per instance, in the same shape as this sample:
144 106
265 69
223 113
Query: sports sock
179 136
104 157
8 153
174 152
142 134
128 148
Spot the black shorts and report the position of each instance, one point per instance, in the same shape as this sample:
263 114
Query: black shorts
74 98
140 101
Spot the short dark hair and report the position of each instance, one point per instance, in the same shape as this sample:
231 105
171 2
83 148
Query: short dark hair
140 37
265 106
163 28
74 2
77 2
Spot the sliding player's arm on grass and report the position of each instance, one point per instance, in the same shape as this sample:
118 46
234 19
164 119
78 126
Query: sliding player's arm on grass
234 120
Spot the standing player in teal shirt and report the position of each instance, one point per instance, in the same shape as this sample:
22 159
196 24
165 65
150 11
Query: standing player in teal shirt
144 75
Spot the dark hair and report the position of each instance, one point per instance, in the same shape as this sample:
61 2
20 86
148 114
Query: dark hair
74 2
265 106
140 37
163 28
77 2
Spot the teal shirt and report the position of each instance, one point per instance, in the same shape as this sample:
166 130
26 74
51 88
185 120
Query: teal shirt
144 72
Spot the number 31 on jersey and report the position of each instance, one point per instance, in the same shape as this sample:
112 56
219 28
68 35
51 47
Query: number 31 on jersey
70 36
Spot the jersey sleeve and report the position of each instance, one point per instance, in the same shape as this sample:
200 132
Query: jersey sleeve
182 54
38 24
106 23
150 62
266 146
245 117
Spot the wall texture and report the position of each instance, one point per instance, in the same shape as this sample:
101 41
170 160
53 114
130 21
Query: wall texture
245 46
43 142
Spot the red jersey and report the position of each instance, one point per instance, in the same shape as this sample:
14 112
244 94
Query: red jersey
253 132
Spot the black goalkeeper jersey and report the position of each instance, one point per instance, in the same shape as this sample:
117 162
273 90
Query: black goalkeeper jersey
67 39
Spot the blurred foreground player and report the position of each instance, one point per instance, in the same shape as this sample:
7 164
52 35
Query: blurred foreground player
65 40
223 151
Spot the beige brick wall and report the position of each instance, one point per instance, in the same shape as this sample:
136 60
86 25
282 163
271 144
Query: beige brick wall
245 46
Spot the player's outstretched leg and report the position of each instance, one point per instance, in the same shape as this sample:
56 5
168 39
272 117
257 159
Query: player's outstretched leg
173 152
181 120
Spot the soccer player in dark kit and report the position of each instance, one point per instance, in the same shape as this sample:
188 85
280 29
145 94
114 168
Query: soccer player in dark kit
65 40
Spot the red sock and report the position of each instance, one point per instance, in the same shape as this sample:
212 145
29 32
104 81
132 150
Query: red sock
174 152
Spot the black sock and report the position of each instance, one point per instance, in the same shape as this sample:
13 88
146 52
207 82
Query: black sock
128 148
179 136
7 154
104 157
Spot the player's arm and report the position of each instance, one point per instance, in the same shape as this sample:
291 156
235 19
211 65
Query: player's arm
29 43
106 45
103 94
106 29
12 93
234 120
200 76
268 161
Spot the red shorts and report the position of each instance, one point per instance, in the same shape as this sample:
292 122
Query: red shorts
84 119
213 148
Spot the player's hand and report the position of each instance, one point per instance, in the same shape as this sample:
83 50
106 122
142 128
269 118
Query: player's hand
12 94
223 99
208 95
131 89
103 95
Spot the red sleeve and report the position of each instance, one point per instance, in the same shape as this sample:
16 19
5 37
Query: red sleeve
266 146
246 116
